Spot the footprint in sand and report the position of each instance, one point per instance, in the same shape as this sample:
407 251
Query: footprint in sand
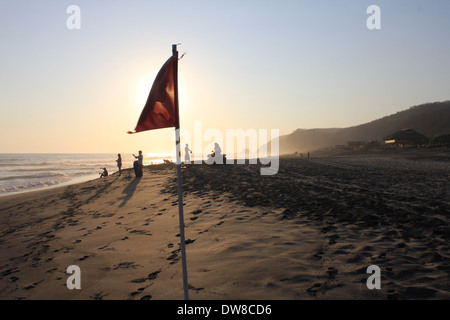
98 296
319 254
125 265
29 287
332 272
51 270
131 295
151 276
9 271
32 286
191 287
142 232
314 290
174 256
333 239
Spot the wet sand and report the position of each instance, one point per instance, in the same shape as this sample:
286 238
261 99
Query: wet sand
308 232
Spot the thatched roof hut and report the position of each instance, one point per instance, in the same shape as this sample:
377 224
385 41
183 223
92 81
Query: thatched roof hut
406 137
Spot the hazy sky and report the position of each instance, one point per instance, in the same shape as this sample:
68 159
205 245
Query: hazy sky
249 64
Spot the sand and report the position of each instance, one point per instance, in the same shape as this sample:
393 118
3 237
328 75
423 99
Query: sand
309 232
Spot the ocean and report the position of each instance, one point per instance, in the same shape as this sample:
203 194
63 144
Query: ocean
28 172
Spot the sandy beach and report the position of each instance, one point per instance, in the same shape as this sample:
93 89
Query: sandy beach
308 232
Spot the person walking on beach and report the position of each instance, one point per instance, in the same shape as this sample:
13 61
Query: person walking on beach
119 163
187 157
138 164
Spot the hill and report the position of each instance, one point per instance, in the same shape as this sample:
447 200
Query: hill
429 119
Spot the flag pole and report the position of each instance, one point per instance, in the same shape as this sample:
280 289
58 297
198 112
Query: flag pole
180 188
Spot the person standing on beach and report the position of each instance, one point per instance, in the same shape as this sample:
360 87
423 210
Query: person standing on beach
140 158
138 165
187 157
119 163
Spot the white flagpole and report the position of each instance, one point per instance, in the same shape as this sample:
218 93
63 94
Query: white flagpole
180 187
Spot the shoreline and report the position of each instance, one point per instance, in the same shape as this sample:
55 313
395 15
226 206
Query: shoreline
50 187
441 154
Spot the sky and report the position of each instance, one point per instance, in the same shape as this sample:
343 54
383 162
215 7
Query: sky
248 65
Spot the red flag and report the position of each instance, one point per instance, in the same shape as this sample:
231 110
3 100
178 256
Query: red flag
160 111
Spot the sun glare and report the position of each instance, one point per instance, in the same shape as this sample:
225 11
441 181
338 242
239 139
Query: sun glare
158 158
182 96
143 89
159 155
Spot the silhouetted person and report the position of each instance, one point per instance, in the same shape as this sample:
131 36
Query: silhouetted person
216 155
217 150
187 157
104 173
138 164
308 154
119 163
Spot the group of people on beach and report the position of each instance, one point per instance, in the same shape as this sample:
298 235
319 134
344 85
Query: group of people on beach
216 155
137 165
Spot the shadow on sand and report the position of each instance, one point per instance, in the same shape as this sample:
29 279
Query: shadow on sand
129 191
103 189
